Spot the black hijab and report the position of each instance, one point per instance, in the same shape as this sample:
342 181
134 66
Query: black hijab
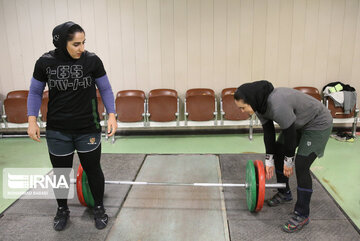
59 34
255 94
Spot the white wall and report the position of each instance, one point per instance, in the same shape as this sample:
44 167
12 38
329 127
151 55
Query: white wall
181 44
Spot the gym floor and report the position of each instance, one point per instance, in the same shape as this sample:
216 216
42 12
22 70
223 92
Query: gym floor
338 171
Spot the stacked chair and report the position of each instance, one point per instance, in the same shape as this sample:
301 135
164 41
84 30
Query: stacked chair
230 113
43 109
162 108
339 117
200 107
101 108
312 91
130 106
15 109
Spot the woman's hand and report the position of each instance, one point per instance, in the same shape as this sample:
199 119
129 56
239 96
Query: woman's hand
269 172
33 129
289 163
112 125
269 166
288 171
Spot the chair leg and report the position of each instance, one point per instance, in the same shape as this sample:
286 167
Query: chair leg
251 129
355 123
354 126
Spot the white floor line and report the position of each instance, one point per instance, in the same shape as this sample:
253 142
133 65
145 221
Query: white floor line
223 206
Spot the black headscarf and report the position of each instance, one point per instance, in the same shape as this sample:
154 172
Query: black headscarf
255 94
59 34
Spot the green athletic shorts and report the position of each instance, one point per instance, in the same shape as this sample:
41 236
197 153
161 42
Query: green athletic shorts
309 141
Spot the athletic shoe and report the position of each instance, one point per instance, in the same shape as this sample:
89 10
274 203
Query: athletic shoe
101 218
279 198
343 136
295 223
61 218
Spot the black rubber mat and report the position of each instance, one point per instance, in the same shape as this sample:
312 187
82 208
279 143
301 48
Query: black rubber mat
30 219
327 220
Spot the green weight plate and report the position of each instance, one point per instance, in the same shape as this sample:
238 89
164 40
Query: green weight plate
251 198
87 192
84 189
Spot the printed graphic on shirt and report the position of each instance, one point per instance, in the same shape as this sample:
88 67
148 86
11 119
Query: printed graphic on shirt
65 77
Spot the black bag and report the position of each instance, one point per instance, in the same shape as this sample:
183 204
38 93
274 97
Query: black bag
345 86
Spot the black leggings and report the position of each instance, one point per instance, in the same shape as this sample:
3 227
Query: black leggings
302 168
90 162
303 178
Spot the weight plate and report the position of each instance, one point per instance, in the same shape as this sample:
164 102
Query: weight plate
87 192
260 187
251 186
79 190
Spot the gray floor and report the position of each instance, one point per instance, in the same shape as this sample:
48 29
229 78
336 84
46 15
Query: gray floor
32 219
327 221
174 212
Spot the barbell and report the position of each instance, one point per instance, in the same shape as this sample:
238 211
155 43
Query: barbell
254 185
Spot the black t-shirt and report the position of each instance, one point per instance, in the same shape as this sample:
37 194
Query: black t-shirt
72 93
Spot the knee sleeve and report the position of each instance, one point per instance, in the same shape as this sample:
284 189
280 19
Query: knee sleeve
302 205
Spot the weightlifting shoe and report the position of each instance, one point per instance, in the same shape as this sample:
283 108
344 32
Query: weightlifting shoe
279 198
101 218
61 218
295 223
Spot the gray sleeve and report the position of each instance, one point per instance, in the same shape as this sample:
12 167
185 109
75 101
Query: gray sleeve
284 115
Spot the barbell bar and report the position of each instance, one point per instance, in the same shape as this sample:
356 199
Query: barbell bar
254 185
195 184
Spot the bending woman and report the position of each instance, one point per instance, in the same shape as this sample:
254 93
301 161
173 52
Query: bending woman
305 124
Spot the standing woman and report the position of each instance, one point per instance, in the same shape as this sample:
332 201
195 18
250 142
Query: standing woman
73 123
305 123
